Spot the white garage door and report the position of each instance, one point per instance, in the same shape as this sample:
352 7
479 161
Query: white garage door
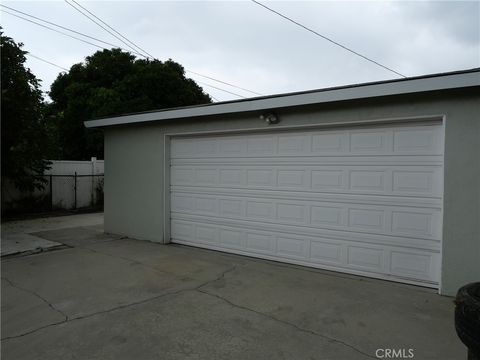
361 200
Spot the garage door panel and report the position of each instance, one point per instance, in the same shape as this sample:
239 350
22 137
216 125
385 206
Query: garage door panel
293 144
291 213
415 264
232 146
413 201
261 145
292 247
292 179
328 180
232 207
182 230
233 239
259 210
206 147
300 230
328 143
366 258
400 180
420 140
322 252
182 175
369 180
206 234
418 222
207 176
260 242
415 223
428 140
260 177
312 160
361 200
235 176
206 205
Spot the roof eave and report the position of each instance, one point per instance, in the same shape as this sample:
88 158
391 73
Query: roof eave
409 86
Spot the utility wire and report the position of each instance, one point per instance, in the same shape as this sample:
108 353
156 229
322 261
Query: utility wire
45 61
90 43
29 54
141 49
111 28
223 82
98 46
104 28
204 83
326 38
58 31
61 27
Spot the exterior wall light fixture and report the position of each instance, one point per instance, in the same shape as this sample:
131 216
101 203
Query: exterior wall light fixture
269 118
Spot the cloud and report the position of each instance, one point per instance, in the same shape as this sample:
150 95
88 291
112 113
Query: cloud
242 43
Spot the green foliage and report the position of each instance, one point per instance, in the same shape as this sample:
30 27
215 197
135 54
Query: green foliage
24 130
112 82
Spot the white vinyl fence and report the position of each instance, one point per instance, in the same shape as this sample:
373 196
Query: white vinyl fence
69 185
75 184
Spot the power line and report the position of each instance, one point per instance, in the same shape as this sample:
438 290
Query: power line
60 26
29 54
98 46
141 49
111 28
58 31
61 67
45 61
204 83
223 82
100 25
54 24
101 47
326 38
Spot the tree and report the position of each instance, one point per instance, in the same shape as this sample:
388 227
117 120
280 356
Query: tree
24 136
112 82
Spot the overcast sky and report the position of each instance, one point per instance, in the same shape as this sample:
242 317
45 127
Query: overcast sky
244 44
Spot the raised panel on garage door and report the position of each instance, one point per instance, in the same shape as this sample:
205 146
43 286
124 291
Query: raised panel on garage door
360 200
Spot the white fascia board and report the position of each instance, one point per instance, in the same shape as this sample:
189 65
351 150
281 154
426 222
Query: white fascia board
409 86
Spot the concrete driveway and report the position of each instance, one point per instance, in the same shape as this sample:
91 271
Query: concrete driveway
107 297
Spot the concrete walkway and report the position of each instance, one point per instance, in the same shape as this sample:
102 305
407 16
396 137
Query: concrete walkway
17 238
106 297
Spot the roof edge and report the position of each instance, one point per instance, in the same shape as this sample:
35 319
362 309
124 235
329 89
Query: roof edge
425 83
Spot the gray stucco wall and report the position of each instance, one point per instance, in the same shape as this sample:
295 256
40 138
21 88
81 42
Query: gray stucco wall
134 167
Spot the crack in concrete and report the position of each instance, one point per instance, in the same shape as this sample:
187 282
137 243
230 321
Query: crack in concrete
133 261
50 305
271 317
68 320
315 270
34 330
174 293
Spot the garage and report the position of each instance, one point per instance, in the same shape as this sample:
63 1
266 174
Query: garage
379 179
361 200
